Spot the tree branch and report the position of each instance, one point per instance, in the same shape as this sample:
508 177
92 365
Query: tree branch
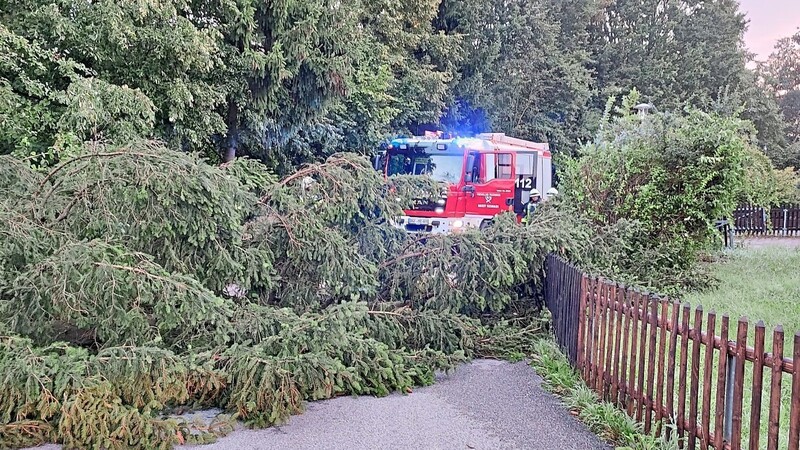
393 261
61 166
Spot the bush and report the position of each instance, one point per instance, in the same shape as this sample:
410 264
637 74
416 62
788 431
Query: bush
651 188
766 186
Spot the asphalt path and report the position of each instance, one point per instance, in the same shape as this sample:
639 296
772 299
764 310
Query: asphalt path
763 242
485 404
482 405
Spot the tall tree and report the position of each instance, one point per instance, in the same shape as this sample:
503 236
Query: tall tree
673 51
753 101
782 74
149 46
519 67
395 72
680 53
284 62
783 66
402 71
50 104
246 76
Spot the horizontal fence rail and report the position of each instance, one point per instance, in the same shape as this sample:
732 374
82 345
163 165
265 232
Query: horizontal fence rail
779 221
666 363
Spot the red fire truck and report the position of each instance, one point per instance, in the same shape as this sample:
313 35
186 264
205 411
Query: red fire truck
484 176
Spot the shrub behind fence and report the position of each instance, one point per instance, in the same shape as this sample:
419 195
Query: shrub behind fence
663 362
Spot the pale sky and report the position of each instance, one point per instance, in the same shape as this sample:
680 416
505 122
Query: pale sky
770 20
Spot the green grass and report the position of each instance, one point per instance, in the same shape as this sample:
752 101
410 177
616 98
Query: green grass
759 284
603 418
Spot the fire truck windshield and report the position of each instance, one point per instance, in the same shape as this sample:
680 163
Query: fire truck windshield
439 166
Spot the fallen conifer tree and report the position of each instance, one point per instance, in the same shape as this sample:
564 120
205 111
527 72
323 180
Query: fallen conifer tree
137 282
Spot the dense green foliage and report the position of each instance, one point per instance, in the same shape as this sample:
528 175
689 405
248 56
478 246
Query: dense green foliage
49 105
674 51
765 185
134 279
523 69
294 82
652 187
285 82
781 76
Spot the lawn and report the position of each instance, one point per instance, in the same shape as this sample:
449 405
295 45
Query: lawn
760 284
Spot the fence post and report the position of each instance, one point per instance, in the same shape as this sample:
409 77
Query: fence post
729 393
785 217
581 348
726 231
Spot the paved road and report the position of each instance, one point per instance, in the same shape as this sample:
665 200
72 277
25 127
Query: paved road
483 405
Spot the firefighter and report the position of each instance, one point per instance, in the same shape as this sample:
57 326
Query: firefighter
530 207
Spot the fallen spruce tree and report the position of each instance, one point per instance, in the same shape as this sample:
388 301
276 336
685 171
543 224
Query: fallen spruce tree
137 283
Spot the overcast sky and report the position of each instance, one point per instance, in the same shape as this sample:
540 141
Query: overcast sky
770 20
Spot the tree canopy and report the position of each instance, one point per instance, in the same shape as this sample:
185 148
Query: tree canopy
781 77
291 82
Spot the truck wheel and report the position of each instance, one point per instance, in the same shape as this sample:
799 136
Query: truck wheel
485 224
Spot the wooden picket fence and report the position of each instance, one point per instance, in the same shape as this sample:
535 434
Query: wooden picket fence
781 220
663 363
562 289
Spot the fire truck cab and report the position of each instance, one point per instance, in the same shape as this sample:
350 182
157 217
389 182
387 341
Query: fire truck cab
484 176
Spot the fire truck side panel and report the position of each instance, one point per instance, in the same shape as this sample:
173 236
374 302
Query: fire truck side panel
489 192
546 175
527 169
